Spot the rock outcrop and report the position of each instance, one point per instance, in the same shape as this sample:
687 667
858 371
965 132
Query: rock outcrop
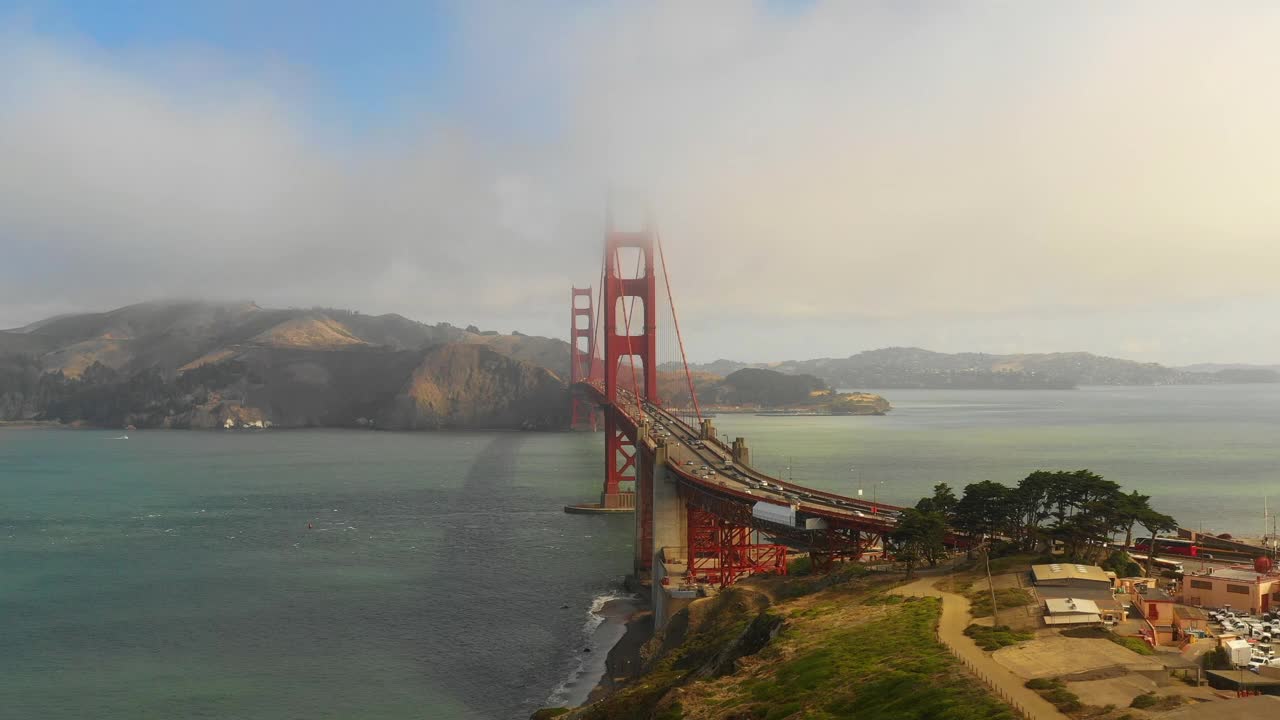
458 386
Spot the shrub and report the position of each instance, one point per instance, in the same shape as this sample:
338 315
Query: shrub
994 638
1121 564
800 566
1063 699
1056 692
1005 598
1143 701
1137 645
1216 659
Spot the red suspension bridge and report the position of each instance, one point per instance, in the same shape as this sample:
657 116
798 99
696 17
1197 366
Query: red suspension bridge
703 514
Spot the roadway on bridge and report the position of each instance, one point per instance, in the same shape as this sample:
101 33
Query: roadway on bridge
712 463
710 457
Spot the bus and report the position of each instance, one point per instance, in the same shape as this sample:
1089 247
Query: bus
1168 546
1174 566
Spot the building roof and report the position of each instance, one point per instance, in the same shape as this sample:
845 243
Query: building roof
1072 606
1102 596
1186 612
1071 619
1154 594
1069 571
1240 575
1246 708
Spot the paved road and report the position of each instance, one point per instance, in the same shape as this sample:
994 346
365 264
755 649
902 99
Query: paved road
691 455
955 618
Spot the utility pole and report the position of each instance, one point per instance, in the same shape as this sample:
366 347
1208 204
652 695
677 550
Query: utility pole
995 611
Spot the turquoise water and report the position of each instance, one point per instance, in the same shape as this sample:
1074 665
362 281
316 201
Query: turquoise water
173 575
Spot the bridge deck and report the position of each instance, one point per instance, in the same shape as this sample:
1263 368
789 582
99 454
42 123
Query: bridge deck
702 465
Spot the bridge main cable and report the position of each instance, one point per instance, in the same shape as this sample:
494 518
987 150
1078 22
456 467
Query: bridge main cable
675 319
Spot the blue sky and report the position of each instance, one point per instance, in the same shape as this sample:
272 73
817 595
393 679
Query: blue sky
829 176
362 64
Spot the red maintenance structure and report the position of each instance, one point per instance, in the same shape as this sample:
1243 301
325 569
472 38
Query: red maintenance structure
704 515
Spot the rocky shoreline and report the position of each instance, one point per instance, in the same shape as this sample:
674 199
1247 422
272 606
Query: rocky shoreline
624 661
612 658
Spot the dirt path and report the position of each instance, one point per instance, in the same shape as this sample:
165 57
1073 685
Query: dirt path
955 618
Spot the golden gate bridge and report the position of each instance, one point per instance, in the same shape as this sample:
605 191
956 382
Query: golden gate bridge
704 516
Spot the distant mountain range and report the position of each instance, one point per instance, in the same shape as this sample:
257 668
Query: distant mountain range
900 367
200 364
759 389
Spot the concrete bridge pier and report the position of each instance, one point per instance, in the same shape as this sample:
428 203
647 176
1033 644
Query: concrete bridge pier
666 541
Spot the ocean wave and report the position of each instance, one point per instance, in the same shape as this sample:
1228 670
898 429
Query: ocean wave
595 613
582 665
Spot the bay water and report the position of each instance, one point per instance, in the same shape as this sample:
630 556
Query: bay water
298 574
343 574
1207 455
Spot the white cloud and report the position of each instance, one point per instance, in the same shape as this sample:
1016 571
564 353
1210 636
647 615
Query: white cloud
848 175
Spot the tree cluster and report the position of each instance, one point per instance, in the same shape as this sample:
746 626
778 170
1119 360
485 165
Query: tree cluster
1077 510
107 397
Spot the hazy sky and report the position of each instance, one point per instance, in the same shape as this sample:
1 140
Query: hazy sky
828 177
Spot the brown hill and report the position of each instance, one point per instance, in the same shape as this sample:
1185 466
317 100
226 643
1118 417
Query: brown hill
194 364
458 386
312 331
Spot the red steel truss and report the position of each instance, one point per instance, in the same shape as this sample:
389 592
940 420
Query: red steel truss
722 553
582 364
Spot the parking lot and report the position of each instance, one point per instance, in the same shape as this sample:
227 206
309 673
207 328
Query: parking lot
1260 631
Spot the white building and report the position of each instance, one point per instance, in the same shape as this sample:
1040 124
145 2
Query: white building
1071 611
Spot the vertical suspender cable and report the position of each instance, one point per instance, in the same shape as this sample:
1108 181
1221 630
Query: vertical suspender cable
626 319
675 319
596 330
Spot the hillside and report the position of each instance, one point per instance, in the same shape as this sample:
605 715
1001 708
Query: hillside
835 647
760 389
918 368
196 364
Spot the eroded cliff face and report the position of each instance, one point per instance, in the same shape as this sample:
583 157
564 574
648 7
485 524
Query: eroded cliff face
459 386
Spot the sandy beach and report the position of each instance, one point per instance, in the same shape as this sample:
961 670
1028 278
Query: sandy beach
611 649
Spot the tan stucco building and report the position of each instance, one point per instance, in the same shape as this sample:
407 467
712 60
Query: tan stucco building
1242 588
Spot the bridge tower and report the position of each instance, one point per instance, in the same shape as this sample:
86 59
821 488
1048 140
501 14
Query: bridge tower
583 363
628 292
